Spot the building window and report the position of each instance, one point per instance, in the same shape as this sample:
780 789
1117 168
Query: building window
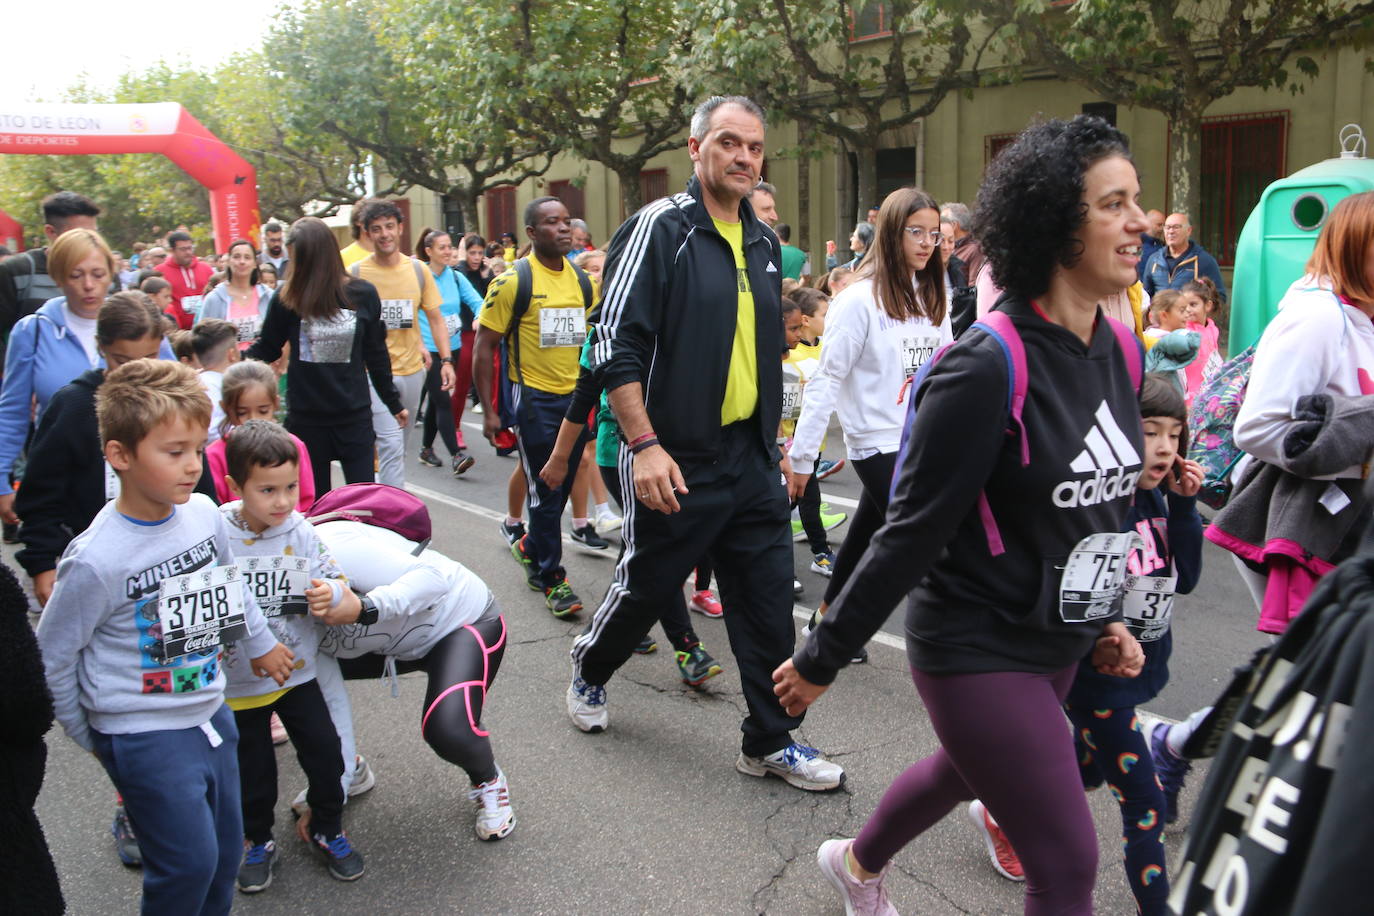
869 20
653 184
994 144
501 212
572 197
1241 156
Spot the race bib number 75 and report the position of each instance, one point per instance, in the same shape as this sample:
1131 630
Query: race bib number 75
1094 576
201 611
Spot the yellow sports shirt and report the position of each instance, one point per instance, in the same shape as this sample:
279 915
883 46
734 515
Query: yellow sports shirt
742 383
551 331
400 310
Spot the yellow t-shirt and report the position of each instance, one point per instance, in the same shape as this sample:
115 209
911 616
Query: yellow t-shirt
742 382
353 254
396 288
801 363
551 331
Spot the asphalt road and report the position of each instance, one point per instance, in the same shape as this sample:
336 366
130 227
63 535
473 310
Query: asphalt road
651 816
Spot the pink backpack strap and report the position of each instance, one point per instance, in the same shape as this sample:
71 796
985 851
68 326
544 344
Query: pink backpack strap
1005 333
1132 349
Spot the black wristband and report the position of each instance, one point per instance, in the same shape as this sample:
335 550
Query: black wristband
641 446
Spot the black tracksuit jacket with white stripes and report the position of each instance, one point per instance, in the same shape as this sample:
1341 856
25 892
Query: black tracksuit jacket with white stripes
667 320
969 611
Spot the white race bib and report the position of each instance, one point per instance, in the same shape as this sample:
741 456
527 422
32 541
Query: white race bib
453 323
248 328
278 583
398 314
191 304
1094 576
917 351
791 399
1148 605
201 611
562 327
111 483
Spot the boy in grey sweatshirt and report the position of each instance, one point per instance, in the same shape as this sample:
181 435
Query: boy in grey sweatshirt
145 600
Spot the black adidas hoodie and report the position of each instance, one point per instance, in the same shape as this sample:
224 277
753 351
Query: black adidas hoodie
970 611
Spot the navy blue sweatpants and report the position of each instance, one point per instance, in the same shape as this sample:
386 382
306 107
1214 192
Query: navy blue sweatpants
181 792
540 414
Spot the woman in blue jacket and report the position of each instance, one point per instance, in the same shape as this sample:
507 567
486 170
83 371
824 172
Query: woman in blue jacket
54 345
461 302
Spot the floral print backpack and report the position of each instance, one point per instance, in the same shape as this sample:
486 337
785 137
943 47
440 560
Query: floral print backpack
1211 425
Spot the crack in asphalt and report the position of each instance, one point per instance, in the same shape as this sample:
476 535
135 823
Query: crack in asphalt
930 884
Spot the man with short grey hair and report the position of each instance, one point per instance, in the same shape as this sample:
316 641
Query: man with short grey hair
686 344
764 200
581 238
1180 259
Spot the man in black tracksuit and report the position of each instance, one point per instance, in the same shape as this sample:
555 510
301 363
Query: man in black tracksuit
688 344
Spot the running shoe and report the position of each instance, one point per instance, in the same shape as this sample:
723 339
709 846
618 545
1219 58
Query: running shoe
588 538
796 588
495 817
647 646
428 458
477 409
858 658
279 735
797 765
706 602
831 520
823 563
587 706
259 861
561 600
462 462
512 533
1002 856
861 898
608 520
520 550
126 843
1171 769
697 666
363 780
825 467
345 863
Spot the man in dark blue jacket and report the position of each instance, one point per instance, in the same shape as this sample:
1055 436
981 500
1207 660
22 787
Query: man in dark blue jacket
1180 260
688 343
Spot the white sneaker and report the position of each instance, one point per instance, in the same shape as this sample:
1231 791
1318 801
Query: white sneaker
587 706
861 898
495 817
363 781
797 764
608 521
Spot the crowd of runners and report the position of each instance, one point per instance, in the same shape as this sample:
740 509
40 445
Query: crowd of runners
1013 398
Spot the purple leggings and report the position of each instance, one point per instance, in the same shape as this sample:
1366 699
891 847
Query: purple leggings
1003 739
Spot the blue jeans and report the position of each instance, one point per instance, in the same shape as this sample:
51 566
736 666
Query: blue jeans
182 796
541 414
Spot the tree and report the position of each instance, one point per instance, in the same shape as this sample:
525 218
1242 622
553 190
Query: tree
1177 57
358 71
800 59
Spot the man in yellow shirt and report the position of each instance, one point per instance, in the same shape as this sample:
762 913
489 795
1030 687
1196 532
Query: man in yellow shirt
406 288
362 245
688 344
543 346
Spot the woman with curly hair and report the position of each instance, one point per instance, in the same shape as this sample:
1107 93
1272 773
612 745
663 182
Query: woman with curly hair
988 523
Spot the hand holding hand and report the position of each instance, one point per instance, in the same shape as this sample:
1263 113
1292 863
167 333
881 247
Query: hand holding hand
795 693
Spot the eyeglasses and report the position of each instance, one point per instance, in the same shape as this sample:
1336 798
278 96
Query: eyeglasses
920 235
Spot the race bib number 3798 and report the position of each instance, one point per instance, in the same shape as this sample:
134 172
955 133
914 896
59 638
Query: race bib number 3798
201 611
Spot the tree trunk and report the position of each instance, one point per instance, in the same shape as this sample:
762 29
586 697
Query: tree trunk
467 205
867 156
631 194
802 235
1185 164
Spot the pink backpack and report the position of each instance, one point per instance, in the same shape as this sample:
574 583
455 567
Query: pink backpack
376 504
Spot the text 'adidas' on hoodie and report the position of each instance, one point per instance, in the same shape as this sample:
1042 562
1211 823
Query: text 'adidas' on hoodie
972 612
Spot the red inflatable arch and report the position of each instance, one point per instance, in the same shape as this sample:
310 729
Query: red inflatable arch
161 127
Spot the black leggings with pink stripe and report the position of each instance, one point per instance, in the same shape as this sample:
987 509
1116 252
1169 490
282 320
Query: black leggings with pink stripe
461 667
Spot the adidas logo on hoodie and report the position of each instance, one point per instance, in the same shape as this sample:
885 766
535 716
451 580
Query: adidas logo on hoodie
1108 466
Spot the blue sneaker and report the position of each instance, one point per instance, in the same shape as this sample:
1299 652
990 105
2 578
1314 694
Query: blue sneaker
825 467
797 765
259 861
1171 769
345 863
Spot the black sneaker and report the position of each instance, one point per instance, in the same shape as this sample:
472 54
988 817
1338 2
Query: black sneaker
428 457
461 462
697 666
345 862
512 533
561 600
126 844
588 538
1171 769
527 564
259 861
647 646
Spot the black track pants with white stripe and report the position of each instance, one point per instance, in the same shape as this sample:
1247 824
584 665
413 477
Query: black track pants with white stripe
736 510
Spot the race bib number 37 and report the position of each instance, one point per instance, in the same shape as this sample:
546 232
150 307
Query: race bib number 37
562 327
201 611
1094 576
278 583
